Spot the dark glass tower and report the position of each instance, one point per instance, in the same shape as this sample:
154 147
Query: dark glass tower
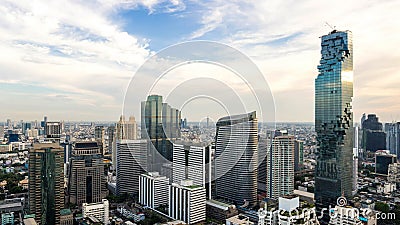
46 182
334 119
160 123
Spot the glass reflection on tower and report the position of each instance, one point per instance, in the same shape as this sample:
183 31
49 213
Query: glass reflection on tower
334 119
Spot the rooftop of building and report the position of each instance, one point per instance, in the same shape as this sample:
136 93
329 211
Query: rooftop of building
240 219
187 184
304 193
192 143
30 221
218 204
64 212
85 144
234 119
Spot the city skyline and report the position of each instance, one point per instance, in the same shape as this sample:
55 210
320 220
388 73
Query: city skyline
86 64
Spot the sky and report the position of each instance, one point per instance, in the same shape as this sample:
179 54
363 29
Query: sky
73 60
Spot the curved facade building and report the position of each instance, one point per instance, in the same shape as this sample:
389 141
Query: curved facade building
236 159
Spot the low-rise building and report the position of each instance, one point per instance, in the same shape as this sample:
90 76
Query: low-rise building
220 211
238 220
66 217
344 216
290 212
7 218
99 211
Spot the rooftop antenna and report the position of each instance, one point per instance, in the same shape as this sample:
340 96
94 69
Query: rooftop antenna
333 28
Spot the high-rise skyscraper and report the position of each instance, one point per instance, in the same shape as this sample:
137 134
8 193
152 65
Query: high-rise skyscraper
1 132
131 163
111 137
53 131
99 135
264 147
125 130
153 190
373 137
382 161
46 182
280 166
187 202
298 155
236 158
192 161
334 119
87 182
160 123
393 138
130 131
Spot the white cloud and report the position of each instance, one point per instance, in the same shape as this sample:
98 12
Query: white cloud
282 37
75 49
69 48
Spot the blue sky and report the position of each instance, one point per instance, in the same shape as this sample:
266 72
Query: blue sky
72 60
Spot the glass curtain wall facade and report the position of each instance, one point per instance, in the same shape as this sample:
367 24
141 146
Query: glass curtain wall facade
160 123
334 119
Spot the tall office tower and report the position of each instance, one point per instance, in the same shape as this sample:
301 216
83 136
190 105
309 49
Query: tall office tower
87 182
130 131
355 160
131 162
334 119
236 159
393 138
119 132
26 126
280 166
9 124
264 147
43 123
160 124
111 137
100 211
187 202
99 136
125 130
153 190
1 132
46 182
298 155
382 161
373 137
67 146
53 131
192 161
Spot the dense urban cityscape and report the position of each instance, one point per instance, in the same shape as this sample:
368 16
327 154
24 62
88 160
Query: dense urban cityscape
187 112
167 170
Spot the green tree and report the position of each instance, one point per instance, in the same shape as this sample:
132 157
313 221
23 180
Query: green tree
381 206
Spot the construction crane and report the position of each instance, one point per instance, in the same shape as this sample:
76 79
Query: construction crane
333 28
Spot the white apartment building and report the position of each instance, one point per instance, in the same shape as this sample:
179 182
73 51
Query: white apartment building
153 190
